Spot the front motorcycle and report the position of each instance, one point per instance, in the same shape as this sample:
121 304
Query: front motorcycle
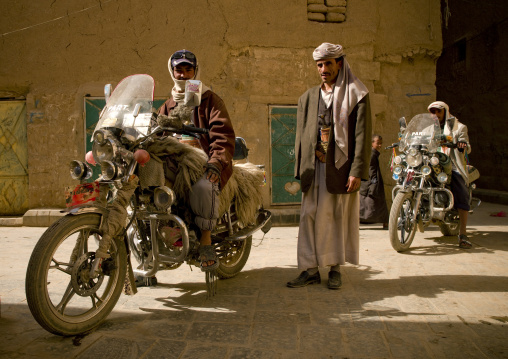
422 172
134 221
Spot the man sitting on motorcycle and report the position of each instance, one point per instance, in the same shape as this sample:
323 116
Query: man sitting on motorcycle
458 131
218 144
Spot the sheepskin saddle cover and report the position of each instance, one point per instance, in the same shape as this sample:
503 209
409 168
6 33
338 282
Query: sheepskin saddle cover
244 186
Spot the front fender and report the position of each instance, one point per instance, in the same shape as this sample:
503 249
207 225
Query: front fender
96 208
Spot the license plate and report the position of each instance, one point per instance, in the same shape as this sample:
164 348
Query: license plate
81 194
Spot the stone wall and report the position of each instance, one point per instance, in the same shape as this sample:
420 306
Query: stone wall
253 54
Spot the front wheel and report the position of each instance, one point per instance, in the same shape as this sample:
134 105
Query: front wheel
62 296
402 228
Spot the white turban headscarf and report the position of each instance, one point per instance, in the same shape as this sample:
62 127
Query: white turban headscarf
441 105
178 91
348 91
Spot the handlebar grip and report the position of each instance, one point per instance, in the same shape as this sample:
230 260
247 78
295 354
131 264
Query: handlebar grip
195 129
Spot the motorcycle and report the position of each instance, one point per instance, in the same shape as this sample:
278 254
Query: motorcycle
133 221
422 172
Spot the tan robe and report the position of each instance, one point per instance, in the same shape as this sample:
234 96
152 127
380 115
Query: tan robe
329 231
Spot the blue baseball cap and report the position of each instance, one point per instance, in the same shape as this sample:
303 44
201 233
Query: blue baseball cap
183 56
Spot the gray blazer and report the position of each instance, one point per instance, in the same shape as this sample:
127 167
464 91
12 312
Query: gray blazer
359 149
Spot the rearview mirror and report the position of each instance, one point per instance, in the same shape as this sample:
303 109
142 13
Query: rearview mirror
402 124
107 92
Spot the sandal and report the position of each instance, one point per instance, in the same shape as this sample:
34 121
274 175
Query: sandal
464 242
206 254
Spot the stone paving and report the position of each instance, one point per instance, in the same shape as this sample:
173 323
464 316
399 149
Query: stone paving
434 301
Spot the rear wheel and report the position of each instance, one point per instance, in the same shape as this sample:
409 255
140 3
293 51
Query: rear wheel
451 228
401 227
233 256
62 296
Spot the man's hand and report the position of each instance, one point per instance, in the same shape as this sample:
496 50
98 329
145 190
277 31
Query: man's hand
212 173
461 144
353 183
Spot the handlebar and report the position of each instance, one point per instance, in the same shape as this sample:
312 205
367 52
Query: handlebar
392 146
193 129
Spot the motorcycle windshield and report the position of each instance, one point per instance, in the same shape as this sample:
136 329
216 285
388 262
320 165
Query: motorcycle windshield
130 107
422 130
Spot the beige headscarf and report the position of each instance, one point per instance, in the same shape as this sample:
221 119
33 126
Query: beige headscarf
348 91
178 91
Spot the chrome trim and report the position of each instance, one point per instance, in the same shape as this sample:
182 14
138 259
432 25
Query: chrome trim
157 256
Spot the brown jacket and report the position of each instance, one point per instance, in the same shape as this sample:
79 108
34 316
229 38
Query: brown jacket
359 150
219 144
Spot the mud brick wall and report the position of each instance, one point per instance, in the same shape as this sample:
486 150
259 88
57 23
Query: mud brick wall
326 10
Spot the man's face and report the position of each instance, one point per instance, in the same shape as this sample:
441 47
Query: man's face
377 144
329 70
438 112
184 72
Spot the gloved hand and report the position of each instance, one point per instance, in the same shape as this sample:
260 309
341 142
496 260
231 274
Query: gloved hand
212 173
461 145
169 121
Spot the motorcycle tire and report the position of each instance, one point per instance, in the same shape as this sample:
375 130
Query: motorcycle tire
62 297
401 230
451 229
235 258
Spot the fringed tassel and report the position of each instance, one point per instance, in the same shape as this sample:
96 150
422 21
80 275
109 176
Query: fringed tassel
211 283
392 158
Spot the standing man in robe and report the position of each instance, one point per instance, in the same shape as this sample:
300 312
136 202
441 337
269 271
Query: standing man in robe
332 153
373 207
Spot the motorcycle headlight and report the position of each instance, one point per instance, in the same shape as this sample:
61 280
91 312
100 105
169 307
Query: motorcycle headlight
414 160
104 152
426 170
434 161
442 177
413 152
111 171
100 136
80 170
397 160
163 197
397 170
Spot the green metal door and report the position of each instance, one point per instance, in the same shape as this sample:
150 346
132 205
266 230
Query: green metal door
13 158
285 188
93 108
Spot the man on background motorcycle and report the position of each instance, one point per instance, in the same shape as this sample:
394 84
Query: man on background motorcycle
458 131
218 144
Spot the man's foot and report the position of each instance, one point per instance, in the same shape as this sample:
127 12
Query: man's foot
464 242
304 279
208 258
334 280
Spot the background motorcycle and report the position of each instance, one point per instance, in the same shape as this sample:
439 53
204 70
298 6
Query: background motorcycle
422 195
90 248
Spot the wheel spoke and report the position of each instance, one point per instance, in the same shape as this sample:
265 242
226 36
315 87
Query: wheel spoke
59 265
69 293
96 301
